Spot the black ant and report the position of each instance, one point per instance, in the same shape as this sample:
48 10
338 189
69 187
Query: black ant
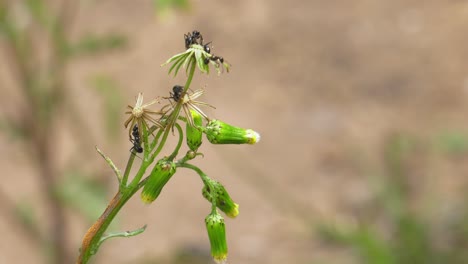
136 140
192 38
216 59
207 47
176 93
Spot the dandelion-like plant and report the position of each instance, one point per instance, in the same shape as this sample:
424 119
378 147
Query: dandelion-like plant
187 102
156 168
141 115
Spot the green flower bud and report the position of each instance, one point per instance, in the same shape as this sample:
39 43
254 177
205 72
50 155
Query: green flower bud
217 235
223 200
160 175
219 132
194 133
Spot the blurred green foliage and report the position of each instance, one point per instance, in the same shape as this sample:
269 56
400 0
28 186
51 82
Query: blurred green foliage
162 6
452 142
35 38
409 238
41 13
92 44
112 102
26 213
86 196
12 129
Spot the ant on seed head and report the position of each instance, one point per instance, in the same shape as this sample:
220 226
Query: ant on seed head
192 38
216 59
207 47
136 140
176 93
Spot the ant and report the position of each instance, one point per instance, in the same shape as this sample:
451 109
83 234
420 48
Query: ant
176 93
216 59
207 47
192 38
136 140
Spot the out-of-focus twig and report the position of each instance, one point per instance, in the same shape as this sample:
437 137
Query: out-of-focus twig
10 213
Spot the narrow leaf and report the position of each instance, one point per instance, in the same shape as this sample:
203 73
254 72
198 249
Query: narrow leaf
118 234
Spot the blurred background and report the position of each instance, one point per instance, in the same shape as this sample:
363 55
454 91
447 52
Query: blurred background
361 106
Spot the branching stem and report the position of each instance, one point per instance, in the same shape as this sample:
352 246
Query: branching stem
93 236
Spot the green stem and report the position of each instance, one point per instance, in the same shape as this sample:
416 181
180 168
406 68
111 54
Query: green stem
127 170
179 144
189 79
206 180
93 236
133 185
176 111
203 176
145 140
156 139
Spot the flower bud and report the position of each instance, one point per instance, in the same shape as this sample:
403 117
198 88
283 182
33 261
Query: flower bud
223 200
191 154
217 235
160 175
219 132
194 133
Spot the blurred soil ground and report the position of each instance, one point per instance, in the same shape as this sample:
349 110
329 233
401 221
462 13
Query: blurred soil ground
326 83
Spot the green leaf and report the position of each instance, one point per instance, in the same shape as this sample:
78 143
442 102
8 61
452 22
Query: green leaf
177 64
118 234
174 58
200 62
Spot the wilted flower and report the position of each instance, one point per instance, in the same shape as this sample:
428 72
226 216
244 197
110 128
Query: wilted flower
180 99
140 115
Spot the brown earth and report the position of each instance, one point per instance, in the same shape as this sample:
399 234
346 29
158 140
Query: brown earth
324 82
